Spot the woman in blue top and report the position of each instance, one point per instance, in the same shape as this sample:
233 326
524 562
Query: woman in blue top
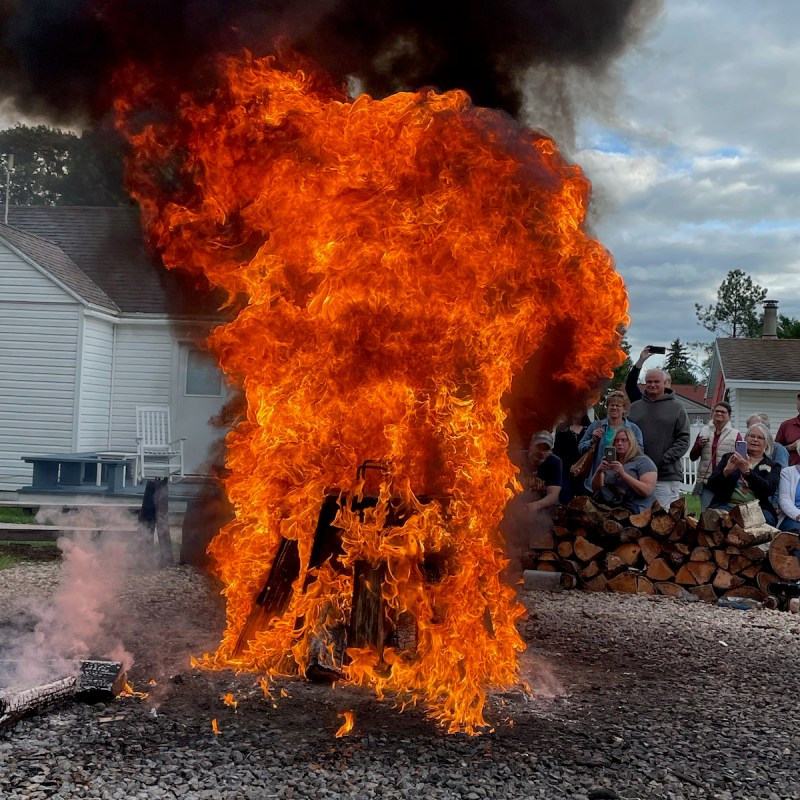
617 405
630 477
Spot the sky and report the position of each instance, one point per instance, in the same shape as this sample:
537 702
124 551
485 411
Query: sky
696 170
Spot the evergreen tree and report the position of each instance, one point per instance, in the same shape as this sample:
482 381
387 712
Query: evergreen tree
735 313
678 364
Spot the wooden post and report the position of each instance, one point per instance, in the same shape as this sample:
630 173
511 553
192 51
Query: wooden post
166 557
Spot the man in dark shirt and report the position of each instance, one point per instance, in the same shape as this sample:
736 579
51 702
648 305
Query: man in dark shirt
542 474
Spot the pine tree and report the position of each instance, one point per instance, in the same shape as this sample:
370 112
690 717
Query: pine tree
735 312
678 364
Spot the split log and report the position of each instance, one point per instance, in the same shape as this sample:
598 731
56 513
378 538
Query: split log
711 538
612 528
589 571
562 532
742 537
585 550
705 592
569 566
547 566
660 570
726 580
702 570
700 554
631 583
628 553
756 552
747 515
675 557
678 531
685 576
784 556
722 559
651 549
596 584
672 590
642 520
711 519
547 555
630 534
100 680
751 571
613 564
738 563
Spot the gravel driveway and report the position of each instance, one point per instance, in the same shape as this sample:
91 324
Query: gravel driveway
637 697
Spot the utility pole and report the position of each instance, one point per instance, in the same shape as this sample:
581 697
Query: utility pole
9 170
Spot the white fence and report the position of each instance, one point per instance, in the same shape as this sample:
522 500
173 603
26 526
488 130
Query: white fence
689 466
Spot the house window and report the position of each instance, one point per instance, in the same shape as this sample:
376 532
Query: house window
202 375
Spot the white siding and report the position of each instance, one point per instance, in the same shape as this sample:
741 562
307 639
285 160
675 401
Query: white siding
38 358
22 283
143 372
94 409
777 404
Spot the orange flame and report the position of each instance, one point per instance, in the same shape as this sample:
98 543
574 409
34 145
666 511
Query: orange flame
230 700
347 725
215 727
397 263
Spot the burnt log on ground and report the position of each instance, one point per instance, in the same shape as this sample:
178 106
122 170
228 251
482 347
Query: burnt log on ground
16 704
96 680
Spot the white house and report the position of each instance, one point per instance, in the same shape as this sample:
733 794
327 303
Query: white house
757 375
90 327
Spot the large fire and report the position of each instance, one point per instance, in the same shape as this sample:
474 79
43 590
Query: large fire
401 260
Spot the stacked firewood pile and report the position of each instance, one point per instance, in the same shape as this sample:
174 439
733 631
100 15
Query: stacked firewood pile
717 555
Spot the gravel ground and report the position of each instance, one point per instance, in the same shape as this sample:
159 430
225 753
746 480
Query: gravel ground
637 697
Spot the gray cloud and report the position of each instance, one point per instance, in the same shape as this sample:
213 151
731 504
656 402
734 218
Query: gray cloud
698 172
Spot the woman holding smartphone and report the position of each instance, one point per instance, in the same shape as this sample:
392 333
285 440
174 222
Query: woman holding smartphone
601 432
747 474
627 474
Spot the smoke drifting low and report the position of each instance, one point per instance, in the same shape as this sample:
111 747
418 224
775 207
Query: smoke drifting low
57 56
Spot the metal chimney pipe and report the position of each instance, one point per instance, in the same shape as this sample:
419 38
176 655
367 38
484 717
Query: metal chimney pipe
770 328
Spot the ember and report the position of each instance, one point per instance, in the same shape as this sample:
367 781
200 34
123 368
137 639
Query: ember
397 263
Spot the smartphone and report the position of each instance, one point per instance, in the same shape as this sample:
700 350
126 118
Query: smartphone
741 448
610 454
657 349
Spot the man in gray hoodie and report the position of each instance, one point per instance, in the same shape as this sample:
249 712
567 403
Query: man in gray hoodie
665 430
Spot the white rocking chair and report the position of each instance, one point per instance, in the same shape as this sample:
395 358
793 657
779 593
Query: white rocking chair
159 454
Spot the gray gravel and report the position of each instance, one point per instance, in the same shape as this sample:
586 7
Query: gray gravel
637 697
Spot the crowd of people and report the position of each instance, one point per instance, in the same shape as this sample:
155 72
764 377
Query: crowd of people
636 456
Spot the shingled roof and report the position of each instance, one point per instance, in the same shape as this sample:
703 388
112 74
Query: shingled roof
760 359
107 246
56 262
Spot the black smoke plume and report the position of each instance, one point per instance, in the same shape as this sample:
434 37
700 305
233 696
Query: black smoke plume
57 56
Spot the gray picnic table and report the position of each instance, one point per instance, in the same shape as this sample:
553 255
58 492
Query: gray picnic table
68 470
